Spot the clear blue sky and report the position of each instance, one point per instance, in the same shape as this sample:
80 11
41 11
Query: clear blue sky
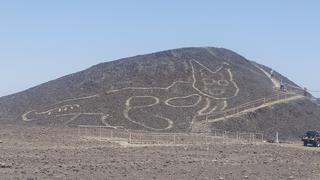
43 40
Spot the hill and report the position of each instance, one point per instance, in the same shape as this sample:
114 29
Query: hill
170 91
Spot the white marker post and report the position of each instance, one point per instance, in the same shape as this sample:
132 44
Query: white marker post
277 137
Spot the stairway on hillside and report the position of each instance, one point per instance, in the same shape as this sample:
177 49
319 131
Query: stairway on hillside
203 126
252 106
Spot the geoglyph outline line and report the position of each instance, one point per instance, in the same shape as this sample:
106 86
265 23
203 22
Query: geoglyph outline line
184 97
127 103
231 80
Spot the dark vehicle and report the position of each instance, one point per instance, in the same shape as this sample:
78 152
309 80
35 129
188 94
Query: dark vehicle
311 137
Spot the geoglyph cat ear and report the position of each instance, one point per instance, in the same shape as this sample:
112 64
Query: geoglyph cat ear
198 67
225 71
226 65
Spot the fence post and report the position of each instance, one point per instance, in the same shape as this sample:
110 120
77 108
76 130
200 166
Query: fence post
174 139
100 133
79 132
130 136
253 138
206 140
223 138
237 136
111 134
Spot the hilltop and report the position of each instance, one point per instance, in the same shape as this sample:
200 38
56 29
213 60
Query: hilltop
168 91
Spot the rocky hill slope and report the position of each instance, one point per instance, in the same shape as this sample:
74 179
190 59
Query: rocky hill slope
169 91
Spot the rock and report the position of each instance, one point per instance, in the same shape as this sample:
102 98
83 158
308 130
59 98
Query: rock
291 177
265 162
3 165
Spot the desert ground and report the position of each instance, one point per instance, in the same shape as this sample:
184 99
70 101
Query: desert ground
60 153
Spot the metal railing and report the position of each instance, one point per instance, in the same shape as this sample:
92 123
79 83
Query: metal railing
253 104
103 133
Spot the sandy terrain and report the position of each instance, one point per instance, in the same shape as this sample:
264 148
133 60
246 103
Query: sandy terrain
58 153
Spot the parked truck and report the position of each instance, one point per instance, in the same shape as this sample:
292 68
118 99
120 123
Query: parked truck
312 138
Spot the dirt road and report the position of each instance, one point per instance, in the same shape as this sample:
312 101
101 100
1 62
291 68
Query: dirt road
58 153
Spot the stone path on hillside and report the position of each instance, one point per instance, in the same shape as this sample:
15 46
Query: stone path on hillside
258 107
204 125
276 83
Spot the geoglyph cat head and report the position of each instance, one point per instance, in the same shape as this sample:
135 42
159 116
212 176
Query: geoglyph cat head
217 84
